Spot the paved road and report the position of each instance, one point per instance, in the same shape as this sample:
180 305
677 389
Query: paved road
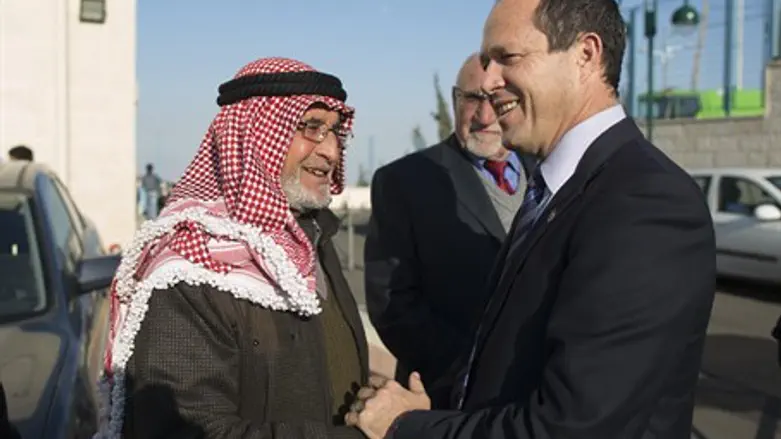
739 395
740 390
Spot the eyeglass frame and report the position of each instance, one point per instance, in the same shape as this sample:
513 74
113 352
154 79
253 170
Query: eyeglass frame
470 96
323 129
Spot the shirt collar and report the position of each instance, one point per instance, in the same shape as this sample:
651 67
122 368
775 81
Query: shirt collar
322 223
513 161
559 166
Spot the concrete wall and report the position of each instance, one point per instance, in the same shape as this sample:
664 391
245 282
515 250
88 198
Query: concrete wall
750 141
68 90
353 197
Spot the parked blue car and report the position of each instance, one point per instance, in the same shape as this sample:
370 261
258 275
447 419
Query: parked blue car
54 274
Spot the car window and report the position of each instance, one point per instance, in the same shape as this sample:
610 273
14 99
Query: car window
76 219
59 218
22 290
775 181
741 196
703 181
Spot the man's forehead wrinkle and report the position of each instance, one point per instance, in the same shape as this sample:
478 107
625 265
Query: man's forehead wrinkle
497 38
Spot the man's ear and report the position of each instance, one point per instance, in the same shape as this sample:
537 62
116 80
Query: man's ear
589 53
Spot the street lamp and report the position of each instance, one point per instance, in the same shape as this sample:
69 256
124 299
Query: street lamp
684 18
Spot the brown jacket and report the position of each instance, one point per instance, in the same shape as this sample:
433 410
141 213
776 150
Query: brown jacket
207 365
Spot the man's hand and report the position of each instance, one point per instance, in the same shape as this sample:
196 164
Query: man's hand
381 403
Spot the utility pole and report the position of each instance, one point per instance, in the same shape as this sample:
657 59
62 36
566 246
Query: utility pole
631 62
702 33
650 7
729 42
371 155
350 239
740 15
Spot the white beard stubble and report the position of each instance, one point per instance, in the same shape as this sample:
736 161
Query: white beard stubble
303 199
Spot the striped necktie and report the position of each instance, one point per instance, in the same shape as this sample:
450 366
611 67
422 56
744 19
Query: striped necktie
530 208
534 201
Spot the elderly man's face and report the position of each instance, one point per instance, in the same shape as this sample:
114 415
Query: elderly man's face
310 164
534 90
476 125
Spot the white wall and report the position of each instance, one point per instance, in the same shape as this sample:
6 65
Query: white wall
353 197
68 90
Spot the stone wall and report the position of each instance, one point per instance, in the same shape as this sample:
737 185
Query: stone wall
741 141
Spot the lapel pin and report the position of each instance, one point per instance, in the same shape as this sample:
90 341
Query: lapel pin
552 215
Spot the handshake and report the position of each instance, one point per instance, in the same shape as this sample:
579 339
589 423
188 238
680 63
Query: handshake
382 401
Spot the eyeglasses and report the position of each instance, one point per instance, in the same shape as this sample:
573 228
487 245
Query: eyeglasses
470 98
317 130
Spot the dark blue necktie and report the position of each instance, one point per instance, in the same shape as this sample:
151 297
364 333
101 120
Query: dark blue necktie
533 203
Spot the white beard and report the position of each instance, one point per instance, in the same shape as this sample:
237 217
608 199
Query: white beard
482 149
303 199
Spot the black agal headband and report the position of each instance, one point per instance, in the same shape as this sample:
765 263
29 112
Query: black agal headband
281 84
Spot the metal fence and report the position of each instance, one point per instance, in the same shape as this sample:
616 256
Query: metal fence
713 49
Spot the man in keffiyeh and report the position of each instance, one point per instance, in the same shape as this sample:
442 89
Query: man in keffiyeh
230 314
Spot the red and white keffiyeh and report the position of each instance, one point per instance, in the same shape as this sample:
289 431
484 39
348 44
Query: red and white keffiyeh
227 224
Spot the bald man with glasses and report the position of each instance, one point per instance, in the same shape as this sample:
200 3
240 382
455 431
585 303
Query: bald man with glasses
439 217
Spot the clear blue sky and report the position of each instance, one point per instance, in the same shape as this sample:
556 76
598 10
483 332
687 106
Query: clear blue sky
386 52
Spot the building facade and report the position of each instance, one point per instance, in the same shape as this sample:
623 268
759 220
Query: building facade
727 142
68 90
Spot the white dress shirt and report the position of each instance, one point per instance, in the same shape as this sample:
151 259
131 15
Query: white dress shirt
559 166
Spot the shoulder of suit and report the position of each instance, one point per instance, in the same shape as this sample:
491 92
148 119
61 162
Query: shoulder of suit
412 162
640 161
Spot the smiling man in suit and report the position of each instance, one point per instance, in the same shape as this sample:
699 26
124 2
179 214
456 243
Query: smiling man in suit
439 218
599 306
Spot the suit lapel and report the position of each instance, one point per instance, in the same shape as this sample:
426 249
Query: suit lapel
469 190
516 253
